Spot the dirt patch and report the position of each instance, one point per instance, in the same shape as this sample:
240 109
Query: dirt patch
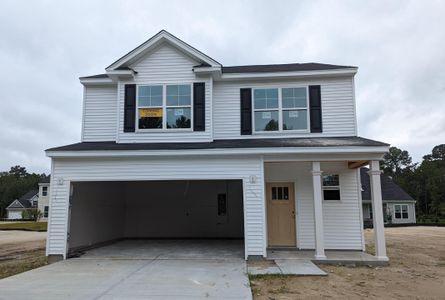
416 271
21 261
12 241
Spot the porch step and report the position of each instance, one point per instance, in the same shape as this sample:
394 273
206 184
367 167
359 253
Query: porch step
301 267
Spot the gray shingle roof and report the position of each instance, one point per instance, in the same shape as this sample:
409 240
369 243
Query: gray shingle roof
25 199
390 190
221 144
98 76
282 68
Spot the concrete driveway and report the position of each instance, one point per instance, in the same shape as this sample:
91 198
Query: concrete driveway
140 270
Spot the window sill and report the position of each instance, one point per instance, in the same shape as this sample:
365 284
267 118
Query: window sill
283 132
163 130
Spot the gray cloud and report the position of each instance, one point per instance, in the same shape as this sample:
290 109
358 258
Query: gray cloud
46 45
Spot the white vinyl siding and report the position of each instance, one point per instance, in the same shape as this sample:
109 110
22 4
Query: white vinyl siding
134 169
99 114
338 107
342 224
165 65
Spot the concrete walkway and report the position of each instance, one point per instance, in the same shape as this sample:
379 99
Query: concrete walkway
106 273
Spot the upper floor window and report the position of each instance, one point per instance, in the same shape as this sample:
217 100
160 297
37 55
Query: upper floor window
164 106
280 109
44 191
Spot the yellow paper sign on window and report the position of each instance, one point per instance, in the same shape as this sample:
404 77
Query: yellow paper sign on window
150 112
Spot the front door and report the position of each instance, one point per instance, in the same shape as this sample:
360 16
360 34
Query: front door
280 214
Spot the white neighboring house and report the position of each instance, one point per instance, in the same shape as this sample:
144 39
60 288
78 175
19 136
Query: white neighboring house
398 206
26 202
176 145
43 203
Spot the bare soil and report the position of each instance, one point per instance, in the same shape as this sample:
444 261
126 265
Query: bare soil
15 241
416 271
21 251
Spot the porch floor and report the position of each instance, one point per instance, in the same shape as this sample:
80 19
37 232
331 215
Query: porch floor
343 257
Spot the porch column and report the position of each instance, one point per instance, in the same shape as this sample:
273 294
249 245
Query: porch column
377 211
318 211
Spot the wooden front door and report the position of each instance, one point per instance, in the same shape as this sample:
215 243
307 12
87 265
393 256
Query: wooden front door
280 214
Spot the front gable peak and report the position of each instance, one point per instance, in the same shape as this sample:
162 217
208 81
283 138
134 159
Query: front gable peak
123 63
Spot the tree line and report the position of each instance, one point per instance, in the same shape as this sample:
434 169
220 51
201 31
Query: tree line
15 183
424 181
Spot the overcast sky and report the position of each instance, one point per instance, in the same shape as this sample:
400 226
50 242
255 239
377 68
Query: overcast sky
399 47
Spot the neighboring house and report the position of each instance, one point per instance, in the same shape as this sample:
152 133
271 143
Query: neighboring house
398 206
43 203
176 145
26 202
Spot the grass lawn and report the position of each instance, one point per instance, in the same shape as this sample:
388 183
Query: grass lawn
29 226
21 262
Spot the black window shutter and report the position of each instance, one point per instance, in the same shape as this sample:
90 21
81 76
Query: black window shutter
246 111
315 108
199 112
130 108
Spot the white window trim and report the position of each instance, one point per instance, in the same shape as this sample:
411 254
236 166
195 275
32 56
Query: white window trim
331 187
164 107
44 192
401 212
280 111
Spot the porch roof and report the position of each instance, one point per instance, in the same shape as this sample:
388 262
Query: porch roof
351 141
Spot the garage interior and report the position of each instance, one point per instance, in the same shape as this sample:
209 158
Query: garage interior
106 212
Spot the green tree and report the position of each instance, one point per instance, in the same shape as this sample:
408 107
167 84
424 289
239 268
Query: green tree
395 161
14 183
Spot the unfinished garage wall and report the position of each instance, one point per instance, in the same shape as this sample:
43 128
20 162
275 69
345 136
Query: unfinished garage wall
97 213
184 209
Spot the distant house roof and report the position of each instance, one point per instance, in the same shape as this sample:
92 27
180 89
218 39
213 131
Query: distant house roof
390 190
226 144
25 200
47 179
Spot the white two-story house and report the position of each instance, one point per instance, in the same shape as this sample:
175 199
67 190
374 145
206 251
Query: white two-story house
176 145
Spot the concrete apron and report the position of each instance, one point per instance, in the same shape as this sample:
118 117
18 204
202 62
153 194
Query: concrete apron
162 276
300 267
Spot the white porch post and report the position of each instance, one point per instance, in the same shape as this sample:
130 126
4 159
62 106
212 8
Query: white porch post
377 211
318 211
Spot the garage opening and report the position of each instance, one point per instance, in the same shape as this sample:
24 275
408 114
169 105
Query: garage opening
104 212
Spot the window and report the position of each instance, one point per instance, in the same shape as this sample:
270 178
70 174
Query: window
331 187
164 106
44 191
179 106
280 109
280 193
401 211
45 213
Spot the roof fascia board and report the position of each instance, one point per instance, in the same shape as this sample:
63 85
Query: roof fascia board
265 75
155 41
97 81
373 151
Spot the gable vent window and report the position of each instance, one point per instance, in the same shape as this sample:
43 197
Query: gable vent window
281 109
164 107
331 187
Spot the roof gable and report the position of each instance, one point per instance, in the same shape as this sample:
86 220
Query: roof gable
15 204
162 37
